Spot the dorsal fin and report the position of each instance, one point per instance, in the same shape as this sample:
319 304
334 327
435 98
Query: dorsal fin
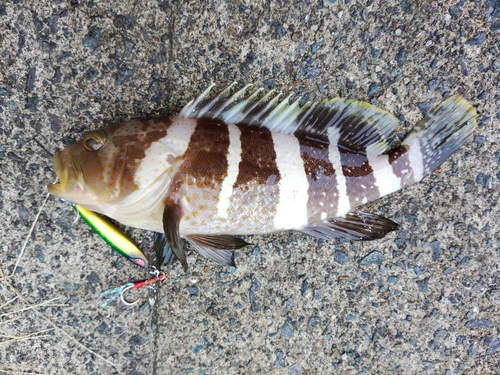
352 124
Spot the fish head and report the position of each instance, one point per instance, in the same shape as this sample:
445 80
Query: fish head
80 169
100 168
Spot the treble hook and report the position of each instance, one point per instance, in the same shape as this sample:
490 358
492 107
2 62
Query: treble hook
157 276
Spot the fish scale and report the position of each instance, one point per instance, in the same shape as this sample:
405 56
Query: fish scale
250 164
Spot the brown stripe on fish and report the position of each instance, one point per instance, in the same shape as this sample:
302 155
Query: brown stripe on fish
399 159
258 163
205 159
360 181
255 194
199 178
323 194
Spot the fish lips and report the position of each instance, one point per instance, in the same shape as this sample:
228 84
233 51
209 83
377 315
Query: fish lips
70 175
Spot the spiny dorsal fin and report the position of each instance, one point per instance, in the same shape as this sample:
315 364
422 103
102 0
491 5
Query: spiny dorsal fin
352 124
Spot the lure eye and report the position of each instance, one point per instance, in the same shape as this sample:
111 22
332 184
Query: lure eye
94 141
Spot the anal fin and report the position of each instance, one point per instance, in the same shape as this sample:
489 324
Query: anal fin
221 241
212 247
356 226
223 257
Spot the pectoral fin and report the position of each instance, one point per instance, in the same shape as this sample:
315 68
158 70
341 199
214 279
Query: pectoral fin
171 218
356 226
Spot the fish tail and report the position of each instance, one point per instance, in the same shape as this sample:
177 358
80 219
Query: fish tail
438 135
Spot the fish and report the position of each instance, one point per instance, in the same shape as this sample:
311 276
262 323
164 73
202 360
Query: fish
244 163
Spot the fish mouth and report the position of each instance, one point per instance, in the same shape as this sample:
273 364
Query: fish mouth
69 172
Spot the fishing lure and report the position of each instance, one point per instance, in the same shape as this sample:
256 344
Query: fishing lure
125 247
113 236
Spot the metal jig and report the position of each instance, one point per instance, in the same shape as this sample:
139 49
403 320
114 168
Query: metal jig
113 236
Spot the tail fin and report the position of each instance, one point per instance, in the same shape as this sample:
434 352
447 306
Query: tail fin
439 134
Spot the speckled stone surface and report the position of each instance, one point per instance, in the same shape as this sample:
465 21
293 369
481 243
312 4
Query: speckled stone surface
423 300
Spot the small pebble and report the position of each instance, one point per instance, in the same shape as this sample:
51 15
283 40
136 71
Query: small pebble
455 10
340 257
303 288
255 283
479 139
93 277
295 369
433 84
313 322
448 271
423 285
286 330
310 71
254 306
478 323
482 179
196 349
373 90
495 26
493 347
440 334
123 75
24 214
436 250
374 257
194 291
93 38
473 349
12 106
279 359
477 40
425 107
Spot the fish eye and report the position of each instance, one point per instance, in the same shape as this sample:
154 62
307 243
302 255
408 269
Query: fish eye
94 141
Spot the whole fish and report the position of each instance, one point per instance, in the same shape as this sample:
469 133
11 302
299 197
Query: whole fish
244 164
